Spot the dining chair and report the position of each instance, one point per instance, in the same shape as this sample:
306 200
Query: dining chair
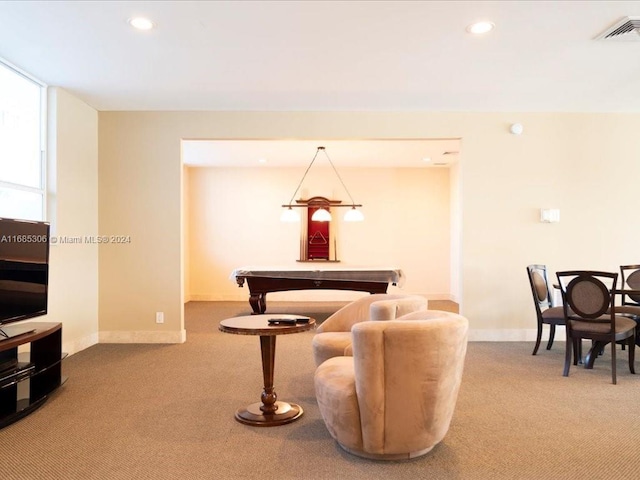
630 302
630 278
546 313
590 313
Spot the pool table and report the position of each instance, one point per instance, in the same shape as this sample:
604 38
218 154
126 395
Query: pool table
262 280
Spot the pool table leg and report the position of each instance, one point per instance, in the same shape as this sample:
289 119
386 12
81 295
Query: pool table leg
258 302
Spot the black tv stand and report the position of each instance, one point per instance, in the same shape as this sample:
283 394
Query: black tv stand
7 364
10 332
30 376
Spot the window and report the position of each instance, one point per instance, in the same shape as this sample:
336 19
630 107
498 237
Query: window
22 140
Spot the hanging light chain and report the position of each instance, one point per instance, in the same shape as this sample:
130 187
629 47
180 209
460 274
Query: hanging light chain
337 174
305 175
353 203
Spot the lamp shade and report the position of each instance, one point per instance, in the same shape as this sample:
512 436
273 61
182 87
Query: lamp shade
289 215
353 215
321 215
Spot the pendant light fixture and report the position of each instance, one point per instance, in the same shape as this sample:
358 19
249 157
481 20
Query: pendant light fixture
322 214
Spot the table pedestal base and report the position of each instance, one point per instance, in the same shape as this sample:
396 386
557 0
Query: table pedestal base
252 415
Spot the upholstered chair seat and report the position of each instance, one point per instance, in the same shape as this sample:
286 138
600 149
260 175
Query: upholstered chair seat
395 397
333 336
630 310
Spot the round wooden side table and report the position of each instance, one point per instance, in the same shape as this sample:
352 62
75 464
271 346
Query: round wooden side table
269 411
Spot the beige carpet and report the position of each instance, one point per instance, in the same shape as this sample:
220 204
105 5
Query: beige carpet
166 412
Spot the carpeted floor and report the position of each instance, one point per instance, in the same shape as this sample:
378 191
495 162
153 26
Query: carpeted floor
166 412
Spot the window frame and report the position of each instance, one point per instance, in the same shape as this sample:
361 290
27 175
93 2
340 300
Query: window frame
42 190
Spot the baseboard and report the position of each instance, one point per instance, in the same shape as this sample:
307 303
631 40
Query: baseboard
288 296
195 297
306 296
439 296
512 335
76 346
143 337
475 335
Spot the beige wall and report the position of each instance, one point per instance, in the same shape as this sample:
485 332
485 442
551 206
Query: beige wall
186 216
140 195
234 222
584 164
455 209
73 212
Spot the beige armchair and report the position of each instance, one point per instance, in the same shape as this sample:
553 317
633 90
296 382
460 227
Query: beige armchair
333 336
394 399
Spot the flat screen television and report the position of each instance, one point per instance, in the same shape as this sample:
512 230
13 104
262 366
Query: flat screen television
24 271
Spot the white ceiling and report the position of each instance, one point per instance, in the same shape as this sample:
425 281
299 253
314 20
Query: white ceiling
342 153
328 56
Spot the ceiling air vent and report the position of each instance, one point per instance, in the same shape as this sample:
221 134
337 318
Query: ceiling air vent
626 29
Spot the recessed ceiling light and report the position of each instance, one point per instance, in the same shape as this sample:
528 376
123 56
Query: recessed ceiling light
141 23
480 27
